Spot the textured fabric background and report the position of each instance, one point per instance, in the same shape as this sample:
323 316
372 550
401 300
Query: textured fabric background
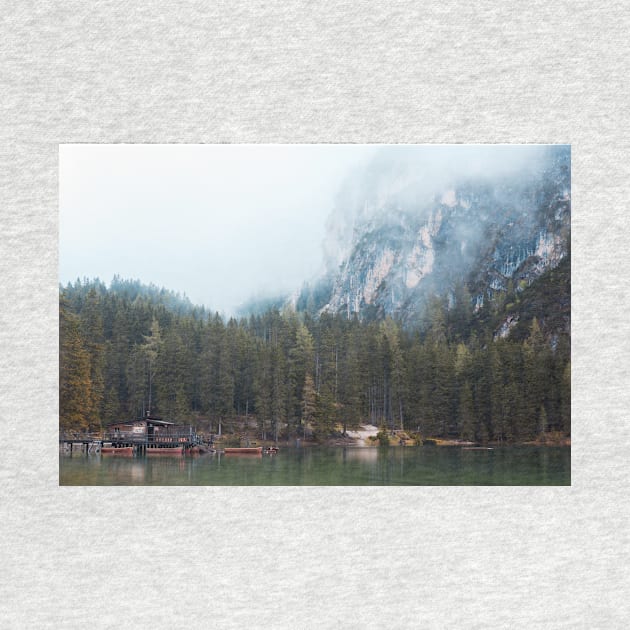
398 71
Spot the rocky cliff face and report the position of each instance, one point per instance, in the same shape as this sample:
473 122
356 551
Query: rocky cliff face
412 227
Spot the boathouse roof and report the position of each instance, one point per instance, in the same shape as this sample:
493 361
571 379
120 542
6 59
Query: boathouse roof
148 420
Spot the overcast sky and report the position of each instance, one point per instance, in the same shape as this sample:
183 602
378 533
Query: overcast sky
220 223
227 223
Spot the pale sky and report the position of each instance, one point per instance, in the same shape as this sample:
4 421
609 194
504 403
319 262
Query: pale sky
220 223
227 223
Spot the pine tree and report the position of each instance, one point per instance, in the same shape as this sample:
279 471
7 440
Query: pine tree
537 364
466 413
300 368
118 355
150 350
565 400
172 372
461 375
442 379
325 413
393 372
350 386
93 334
543 420
482 392
278 400
75 387
263 388
308 404
217 373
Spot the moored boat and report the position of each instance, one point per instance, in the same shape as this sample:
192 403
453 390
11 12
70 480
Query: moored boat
246 450
117 450
167 450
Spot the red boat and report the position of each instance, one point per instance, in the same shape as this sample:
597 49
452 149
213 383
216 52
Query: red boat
173 450
117 450
248 450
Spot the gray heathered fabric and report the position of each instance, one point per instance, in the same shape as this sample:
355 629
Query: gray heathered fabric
400 71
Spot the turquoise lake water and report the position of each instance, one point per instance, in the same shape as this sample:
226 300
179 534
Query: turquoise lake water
336 466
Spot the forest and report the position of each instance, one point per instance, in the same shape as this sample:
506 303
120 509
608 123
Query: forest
129 348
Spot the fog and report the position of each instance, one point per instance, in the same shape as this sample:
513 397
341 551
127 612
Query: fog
220 223
410 178
223 223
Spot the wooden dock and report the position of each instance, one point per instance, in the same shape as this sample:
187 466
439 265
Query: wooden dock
86 445
112 443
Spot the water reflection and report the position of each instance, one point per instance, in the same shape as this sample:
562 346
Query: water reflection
330 466
138 473
369 454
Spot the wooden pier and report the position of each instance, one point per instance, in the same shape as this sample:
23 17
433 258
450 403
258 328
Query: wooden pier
94 446
88 445
149 436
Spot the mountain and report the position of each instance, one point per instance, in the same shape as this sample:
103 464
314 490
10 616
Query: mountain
482 225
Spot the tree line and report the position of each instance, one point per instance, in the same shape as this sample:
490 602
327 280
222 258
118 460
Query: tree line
130 349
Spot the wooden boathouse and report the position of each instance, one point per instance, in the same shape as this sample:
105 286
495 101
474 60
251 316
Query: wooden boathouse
150 435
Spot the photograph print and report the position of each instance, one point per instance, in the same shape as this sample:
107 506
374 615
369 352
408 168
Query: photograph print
313 315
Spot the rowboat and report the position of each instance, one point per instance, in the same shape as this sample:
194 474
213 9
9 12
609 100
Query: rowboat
248 450
169 450
117 450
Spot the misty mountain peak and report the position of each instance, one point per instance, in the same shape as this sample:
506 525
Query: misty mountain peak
415 224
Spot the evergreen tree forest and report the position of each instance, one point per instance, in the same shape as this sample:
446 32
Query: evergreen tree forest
128 349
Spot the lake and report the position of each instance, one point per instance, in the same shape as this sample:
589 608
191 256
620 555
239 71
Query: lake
336 466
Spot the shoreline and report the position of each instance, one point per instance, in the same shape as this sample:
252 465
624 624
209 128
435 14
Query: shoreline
366 437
